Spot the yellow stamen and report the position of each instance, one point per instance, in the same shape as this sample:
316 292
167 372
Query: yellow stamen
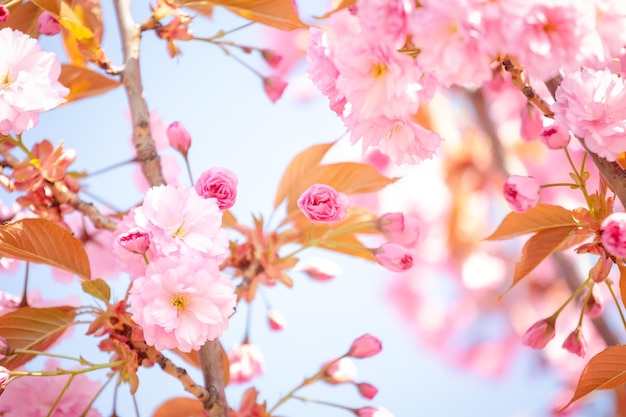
379 70
180 232
179 301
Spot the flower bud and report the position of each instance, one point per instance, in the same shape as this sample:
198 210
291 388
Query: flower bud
539 334
594 305
343 370
367 390
4 14
271 57
394 257
276 320
575 343
5 376
135 240
218 183
4 348
178 137
274 87
400 229
365 346
522 193
601 269
555 136
48 25
373 412
320 269
614 234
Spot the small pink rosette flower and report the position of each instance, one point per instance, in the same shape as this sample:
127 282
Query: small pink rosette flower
400 229
365 346
522 193
614 234
321 203
218 183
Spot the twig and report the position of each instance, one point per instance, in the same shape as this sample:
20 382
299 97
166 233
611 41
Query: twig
211 363
64 196
518 80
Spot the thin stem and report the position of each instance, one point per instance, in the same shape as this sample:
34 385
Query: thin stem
135 405
109 379
24 301
343 407
58 399
560 184
48 354
571 297
111 167
581 182
188 169
621 313
71 372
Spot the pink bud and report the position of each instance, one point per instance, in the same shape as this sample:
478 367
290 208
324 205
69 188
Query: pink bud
522 193
4 349
575 343
531 123
218 183
276 320
373 412
135 240
5 376
274 87
4 14
555 136
320 269
178 137
48 25
614 234
367 390
321 203
594 306
343 370
400 229
539 334
601 269
271 57
365 346
394 257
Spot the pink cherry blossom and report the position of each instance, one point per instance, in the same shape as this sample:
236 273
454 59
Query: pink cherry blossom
218 183
522 193
394 257
385 20
575 343
322 203
182 302
366 390
400 229
592 104
35 396
246 362
48 25
135 240
539 334
614 234
274 87
178 137
320 269
276 320
365 346
28 81
343 370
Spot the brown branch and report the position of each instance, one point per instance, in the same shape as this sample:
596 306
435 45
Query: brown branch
497 152
64 196
519 81
211 363
145 148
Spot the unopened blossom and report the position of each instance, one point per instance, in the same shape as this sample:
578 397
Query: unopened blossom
592 104
522 193
575 343
365 346
182 303
320 269
48 25
366 390
276 320
218 183
28 81
614 234
4 13
135 240
343 370
594 305
400 229
35 396
555 136
178 137
274 87
4 348
321 203
539 334
5 375
272 58
246 362
394 257
373 412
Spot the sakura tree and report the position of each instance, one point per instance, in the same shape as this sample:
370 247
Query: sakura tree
449 112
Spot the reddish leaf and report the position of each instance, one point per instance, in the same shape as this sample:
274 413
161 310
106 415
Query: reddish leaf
281 14
43 241
606 370
84 82
180 407
541 217
343 5
34 329
538 248
297 169
23 17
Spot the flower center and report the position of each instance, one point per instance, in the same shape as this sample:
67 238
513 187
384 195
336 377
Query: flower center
5 81
179 301
379 70
180 232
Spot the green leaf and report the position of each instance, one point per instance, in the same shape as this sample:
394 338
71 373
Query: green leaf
98 288
33 329
541 217
44 241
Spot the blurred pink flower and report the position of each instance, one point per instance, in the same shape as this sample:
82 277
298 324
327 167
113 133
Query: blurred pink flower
594 305
385 20
48 25
614 234
321 269
522 193
276 320
29 80
178 137
321 203
246 362
531 123
365 346
182 302
274 87
366 390
343 370
539 334
4 13
400 229
373 412
394 257
218 183
35 396
575 343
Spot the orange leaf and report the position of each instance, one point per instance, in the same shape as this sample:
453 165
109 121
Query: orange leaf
89 14
281 14
201 7
538 248
541 217
23 17
343 5
622 282
180 407
84 82
228 219
606 370
43 241
34 329
298 168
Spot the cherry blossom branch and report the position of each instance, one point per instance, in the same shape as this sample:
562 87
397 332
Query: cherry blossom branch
145 148
519 80
212 365
64 196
